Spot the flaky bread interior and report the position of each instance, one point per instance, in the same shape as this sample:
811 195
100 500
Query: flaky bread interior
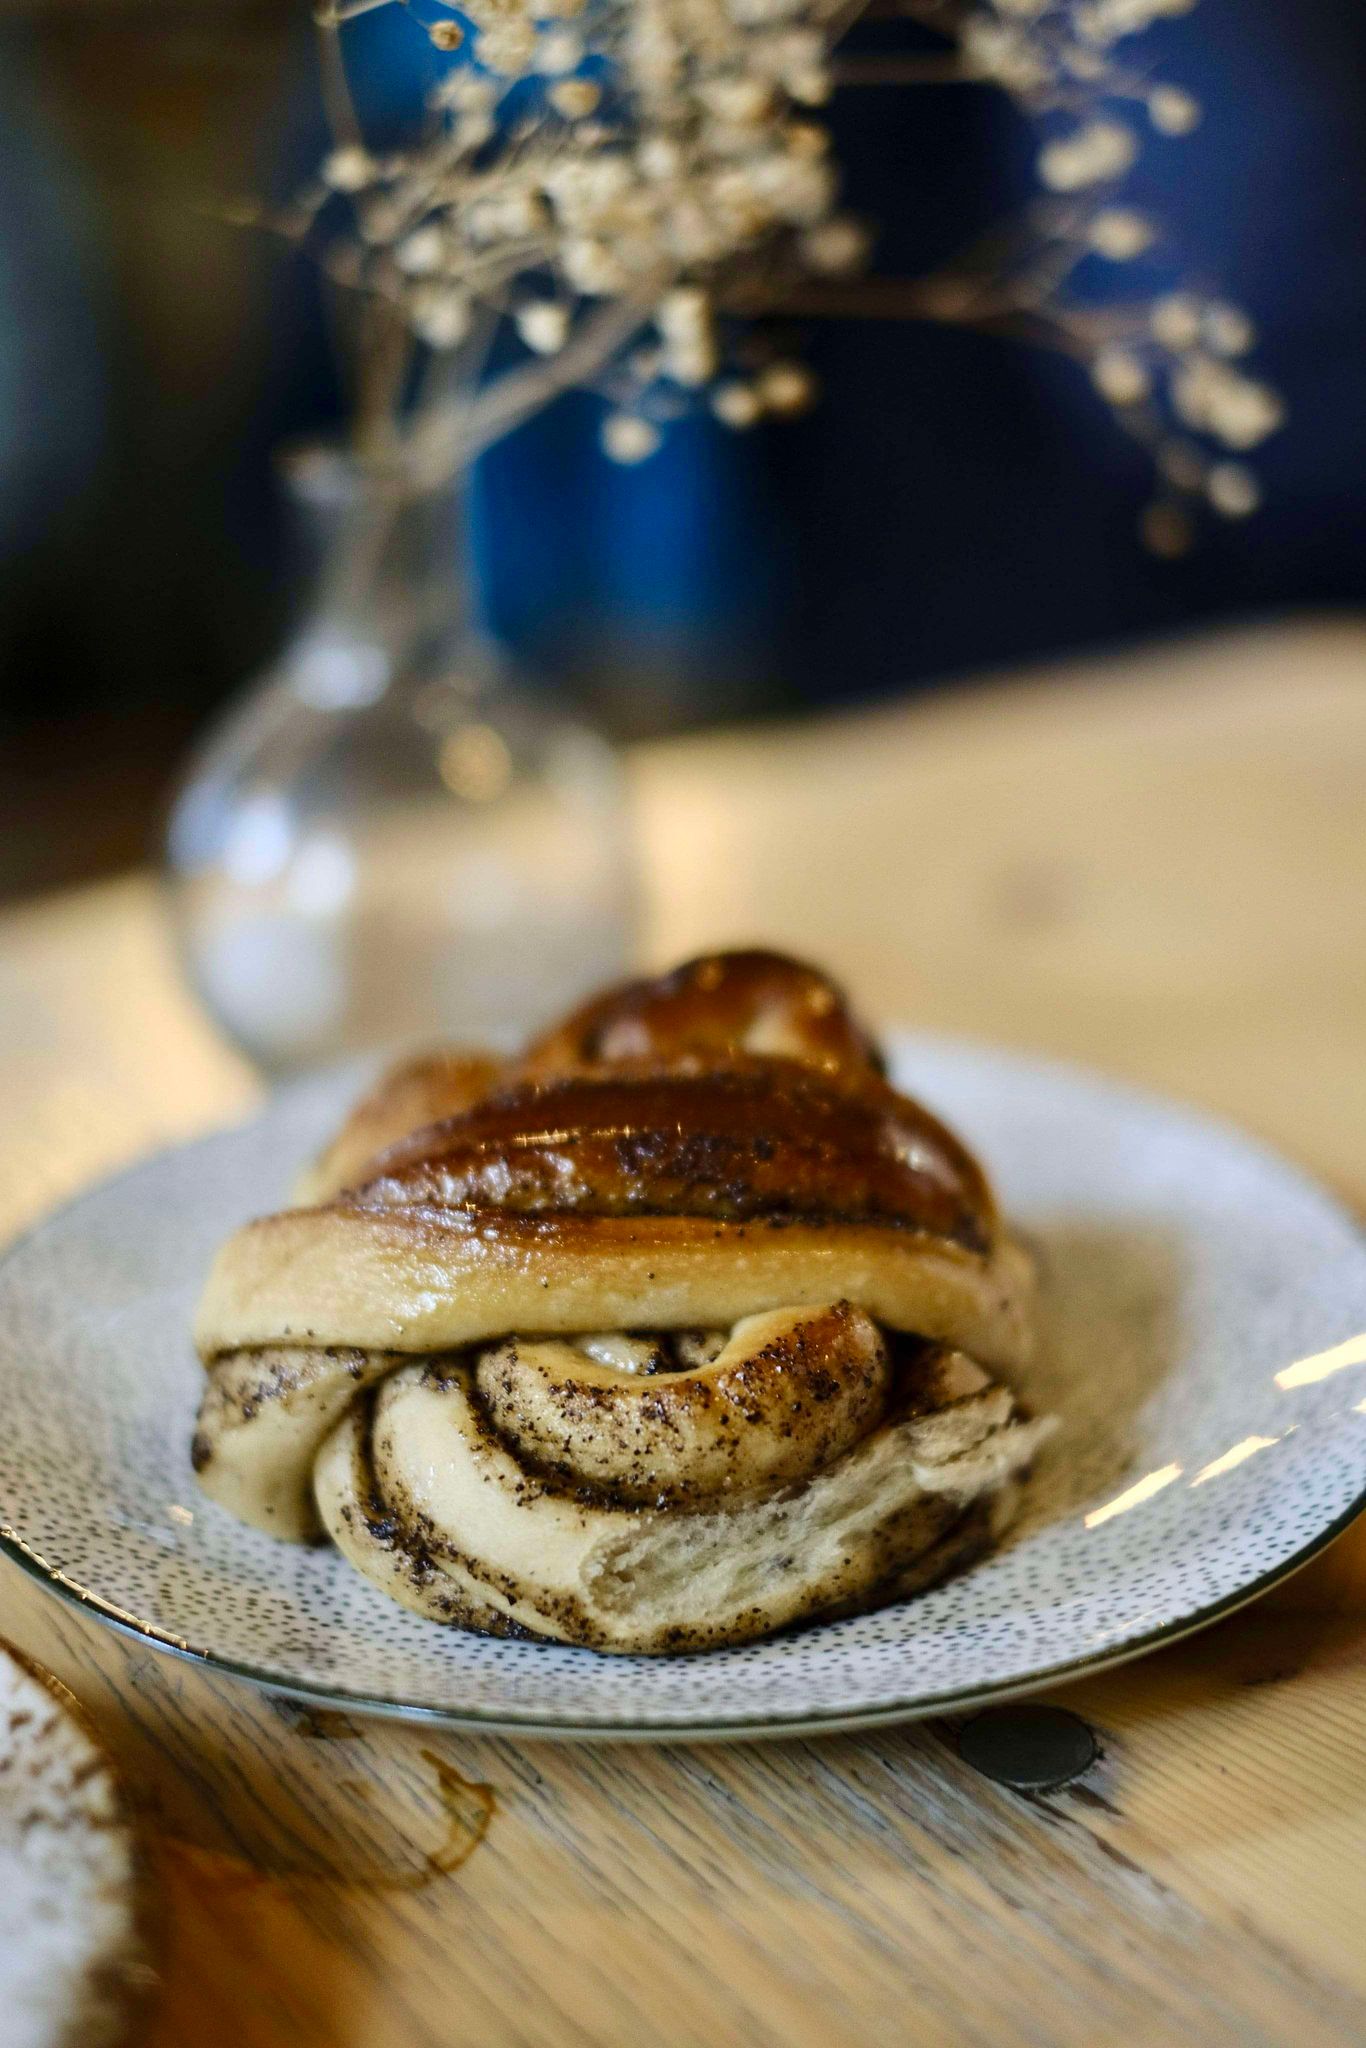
422 1497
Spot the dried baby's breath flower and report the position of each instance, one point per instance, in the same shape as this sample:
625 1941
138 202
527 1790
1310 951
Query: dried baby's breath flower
592 268
1227 330
1092 155
1108 21
558 51
506 44
1217 400
348 169
786 387
999 51
1120 376
624 182
1175 320
1079 62
574 97
836 245
737 404
1233 490
690 364
811 87
543 325
1172 111
628 438
440 315
685 310
1120 233
421 252
690 354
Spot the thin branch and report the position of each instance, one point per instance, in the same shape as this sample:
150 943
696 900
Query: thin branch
463 430
942 302
386 357
338 105
333 13
945 70
842 18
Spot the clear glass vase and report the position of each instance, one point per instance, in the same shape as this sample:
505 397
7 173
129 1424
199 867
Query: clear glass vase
394 836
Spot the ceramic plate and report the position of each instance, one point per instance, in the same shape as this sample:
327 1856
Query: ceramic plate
69 1947
1204 1346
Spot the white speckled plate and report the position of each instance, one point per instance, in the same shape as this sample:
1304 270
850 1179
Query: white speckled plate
1205 1347
69 1947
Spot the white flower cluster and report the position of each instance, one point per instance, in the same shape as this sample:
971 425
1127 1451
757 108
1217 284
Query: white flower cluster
590 150
1186 349
1163 362
666 159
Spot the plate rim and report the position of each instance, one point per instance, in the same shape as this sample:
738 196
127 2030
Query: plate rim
759 1727
893 1713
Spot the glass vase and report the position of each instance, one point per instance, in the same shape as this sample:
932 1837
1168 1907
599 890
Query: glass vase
395 836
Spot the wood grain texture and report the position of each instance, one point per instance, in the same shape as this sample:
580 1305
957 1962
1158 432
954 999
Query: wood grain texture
1160 867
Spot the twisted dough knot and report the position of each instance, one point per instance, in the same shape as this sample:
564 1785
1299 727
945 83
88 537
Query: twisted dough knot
721 1006
602 1344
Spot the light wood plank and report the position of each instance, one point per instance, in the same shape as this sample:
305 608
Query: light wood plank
1157 866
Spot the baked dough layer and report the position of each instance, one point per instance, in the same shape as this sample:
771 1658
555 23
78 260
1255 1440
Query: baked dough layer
424 1497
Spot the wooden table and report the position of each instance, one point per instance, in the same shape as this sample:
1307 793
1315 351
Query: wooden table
1158 865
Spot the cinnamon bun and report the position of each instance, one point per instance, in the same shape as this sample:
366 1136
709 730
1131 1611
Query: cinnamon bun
675 1330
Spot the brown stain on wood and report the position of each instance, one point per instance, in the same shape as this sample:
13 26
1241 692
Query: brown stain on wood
216 1875
319 1724
470 1806
1087 1795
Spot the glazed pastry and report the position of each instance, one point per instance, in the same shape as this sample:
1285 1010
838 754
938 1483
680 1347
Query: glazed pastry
675 1330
